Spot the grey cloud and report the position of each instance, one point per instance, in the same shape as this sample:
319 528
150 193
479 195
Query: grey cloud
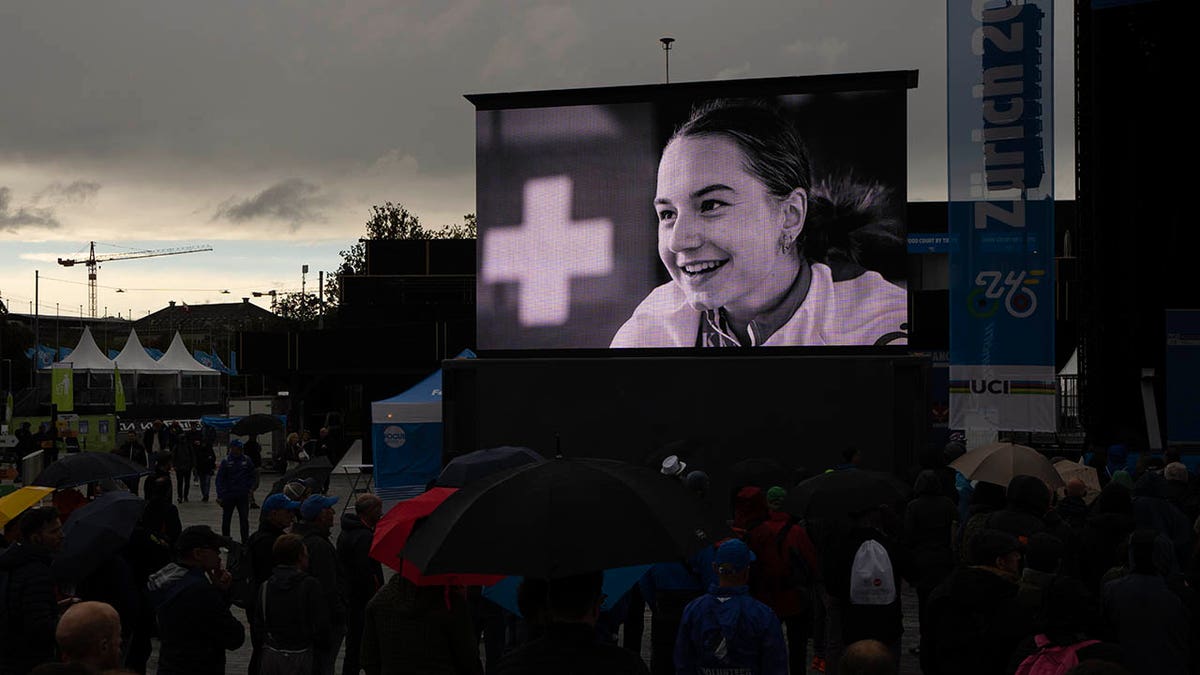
76 192
293 200
24 217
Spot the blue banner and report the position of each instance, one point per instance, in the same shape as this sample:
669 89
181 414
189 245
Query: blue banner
1183 374
1001 212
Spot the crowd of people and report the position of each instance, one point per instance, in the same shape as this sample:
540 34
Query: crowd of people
1008 579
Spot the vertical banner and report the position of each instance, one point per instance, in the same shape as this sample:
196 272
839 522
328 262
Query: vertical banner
118 391
1001 210
62 387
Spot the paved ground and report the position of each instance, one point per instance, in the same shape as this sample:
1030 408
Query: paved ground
195 512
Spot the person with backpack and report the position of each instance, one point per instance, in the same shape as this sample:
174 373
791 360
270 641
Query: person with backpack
862 573
290 612
726 630
316 521
784 574
1063 639
256 561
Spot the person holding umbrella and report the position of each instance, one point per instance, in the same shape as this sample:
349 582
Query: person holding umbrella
569 643
726 629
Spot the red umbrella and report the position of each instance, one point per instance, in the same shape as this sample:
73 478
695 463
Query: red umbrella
392 533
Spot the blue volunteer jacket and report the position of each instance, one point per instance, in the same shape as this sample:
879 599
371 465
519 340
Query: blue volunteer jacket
235 477
727 632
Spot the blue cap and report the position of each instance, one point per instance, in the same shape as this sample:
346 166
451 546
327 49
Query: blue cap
235 443
735 554
314 505
279 501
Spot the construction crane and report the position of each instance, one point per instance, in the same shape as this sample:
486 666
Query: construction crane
93 263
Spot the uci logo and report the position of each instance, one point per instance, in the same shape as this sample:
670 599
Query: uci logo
393 436
989 386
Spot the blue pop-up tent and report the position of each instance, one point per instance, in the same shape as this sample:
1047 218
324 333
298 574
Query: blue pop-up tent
406 434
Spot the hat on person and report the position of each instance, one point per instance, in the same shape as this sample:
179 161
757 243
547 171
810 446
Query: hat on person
733 556
991 544
673 466
279 501
200 536
296 491
1176 471
775 497
314 505
235 443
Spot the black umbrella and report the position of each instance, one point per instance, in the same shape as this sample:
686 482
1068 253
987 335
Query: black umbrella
475 465
258 423
318 469
96 531
763 472
82 468
560 517
842 493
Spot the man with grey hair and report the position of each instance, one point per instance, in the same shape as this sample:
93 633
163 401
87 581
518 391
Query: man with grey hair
365 574
89 633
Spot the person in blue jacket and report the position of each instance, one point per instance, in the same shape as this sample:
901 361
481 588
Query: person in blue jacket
235 482
726 630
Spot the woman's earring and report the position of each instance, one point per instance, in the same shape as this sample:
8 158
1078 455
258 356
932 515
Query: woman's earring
785 243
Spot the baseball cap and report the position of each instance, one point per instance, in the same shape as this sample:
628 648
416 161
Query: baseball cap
314 505
733 553
279 501
235 443
200 536
296 491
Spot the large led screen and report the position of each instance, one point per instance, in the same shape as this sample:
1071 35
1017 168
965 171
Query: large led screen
744 213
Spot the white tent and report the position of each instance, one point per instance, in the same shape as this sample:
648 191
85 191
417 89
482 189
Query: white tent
133 357
179 359
87 355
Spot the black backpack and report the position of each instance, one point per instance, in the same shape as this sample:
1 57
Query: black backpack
240 564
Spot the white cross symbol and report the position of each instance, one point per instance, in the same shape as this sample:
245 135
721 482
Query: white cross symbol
546 251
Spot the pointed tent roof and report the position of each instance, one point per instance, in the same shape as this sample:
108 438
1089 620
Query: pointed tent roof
133 357
178 358
87 355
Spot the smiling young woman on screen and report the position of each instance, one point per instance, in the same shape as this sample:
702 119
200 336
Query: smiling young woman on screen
758 254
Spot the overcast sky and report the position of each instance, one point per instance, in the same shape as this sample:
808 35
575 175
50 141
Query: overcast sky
266 129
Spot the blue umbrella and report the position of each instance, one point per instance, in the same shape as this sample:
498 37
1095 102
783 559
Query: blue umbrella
475 465
96 531
616 582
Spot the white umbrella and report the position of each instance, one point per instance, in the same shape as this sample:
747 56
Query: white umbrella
999 462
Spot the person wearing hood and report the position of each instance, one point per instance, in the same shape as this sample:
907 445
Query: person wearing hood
1151 622
30 602
726 629
929 523
290 612
195 624
364 572
974 618
986 499
1110 523
1152 510
749 509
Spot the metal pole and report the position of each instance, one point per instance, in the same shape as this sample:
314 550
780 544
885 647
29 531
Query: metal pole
37 329
666 45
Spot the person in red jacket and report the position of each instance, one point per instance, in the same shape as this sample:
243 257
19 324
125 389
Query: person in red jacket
784 574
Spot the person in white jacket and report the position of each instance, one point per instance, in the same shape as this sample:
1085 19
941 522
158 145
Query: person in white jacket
758 255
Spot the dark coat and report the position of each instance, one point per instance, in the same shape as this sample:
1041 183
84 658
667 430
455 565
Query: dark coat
877 622
194 622
324 564
1151 624
133 451
571 649
1027 502
365 573
419 631
296 615
973 623
235 477
262 560
31 608
928 531
164 439
1152 510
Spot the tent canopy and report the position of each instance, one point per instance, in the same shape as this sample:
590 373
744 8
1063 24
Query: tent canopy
178 358
133 357
87 355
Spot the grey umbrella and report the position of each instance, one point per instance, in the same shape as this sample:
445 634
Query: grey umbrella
998 462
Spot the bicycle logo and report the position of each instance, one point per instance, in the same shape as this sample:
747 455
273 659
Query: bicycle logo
991 286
